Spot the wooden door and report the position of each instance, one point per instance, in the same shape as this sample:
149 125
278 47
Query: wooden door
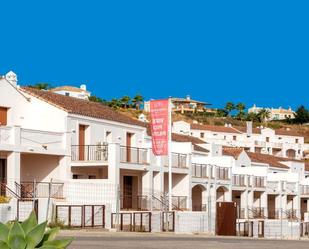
128 146
81 142
2 176
226 218
3 116
127 192
2 170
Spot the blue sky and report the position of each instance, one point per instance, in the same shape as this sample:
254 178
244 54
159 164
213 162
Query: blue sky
216 51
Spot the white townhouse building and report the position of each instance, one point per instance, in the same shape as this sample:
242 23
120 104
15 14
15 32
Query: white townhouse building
71 153
282 143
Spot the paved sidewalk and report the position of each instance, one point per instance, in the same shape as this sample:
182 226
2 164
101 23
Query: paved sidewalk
93 239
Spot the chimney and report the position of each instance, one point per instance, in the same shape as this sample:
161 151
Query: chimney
12 78
188 97
83 87
249 128
226 125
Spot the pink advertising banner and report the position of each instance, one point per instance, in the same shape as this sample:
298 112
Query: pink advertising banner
159 126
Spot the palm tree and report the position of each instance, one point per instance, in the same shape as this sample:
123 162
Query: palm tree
263 115
137 101
240 107
114 103
125 101
229 107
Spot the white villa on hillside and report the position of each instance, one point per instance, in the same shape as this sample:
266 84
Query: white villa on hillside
72 91
275 113
83 154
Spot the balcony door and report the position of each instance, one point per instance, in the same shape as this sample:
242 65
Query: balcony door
81 141
3 116
129 145
127 192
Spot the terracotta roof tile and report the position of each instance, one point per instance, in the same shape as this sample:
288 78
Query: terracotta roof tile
232 151
214 128
268 159
68 88
81 107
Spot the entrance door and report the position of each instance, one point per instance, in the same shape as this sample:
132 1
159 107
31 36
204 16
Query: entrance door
3 116
2 170
129 145
226 218
81 142
2 176
127 192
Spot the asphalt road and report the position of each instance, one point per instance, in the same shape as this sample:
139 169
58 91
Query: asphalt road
171 241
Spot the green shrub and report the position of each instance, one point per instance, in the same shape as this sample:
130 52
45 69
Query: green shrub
29 235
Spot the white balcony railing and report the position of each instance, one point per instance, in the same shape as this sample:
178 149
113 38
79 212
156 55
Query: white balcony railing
273 185
5 135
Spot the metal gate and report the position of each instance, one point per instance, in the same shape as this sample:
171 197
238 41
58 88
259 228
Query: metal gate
168 221
226 218
81 215
132 221
245 228
25 207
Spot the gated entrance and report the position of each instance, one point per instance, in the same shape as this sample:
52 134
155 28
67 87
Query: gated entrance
226 218
25 207
168 221
81 215
132 221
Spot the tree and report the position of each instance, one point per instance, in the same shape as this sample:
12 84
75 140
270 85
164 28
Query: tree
137 101
254 117
229 107
240 107
301 115
41 86
94 98
263 115
114 103
221 113
125 101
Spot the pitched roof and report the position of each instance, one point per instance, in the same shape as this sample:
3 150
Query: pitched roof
232 151
214 128
268 159
287 133
199 148
68 88
185 138
81 107
306 166
244 129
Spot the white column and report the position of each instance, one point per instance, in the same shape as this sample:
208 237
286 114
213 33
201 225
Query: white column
13 169
114 172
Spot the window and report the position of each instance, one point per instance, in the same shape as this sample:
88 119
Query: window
202 134
224 137
3 115
267 139
67 94
296 140
92 177
234 138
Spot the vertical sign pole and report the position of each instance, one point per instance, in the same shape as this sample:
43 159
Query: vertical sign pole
170 186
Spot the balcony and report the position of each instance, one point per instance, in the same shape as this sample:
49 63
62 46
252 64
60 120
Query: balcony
258 182
89 153
199 170
257 213
273 186
239 180
222 173
290 187
178 161
305 189
5 135
260 143
179 202
134 155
